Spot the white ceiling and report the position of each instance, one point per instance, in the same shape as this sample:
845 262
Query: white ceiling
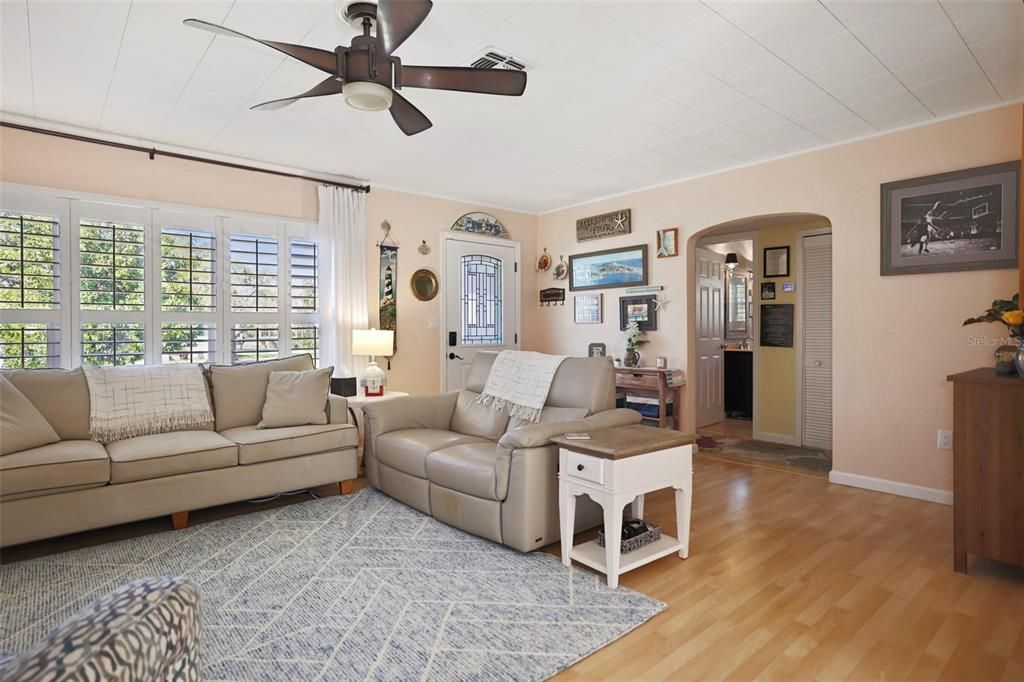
622 95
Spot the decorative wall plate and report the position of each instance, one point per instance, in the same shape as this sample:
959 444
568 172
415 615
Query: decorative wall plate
562 269
543 262
424 284
481 223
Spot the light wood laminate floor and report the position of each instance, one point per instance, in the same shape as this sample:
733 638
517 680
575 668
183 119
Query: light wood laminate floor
789 578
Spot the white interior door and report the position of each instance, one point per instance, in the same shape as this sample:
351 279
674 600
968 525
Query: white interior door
710 336
481 302
816 328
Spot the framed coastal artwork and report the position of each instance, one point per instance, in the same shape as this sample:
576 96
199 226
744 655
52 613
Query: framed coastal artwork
640 309
622 267
668 242
963 220
481 223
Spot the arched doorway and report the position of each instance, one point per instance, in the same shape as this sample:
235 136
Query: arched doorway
760 306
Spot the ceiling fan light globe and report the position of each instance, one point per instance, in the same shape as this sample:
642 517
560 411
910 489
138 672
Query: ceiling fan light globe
366 96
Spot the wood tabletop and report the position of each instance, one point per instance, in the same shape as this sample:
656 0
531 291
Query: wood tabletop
985 375
626 441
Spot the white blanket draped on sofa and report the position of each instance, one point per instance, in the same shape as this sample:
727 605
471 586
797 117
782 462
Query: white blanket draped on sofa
125 402
520 381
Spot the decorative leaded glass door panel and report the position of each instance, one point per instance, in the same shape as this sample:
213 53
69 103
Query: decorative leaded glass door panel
481 304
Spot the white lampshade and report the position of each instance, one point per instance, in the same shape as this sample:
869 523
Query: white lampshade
373 342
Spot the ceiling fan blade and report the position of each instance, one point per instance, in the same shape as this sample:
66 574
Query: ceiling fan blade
315 57
398 19
410 119
328 86
464 79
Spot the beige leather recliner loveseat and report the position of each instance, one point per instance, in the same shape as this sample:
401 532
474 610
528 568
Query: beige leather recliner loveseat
474 468
77 484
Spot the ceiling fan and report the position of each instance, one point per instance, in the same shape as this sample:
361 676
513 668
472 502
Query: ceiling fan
368 74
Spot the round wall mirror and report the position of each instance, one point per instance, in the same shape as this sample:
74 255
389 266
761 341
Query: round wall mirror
424 284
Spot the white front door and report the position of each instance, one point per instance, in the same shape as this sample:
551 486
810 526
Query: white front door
481 301
816 335
710 336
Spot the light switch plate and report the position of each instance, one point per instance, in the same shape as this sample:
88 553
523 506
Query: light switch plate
433 323
945 440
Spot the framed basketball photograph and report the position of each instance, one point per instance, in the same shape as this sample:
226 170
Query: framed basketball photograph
963 220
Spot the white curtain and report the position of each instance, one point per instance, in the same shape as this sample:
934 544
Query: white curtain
342 237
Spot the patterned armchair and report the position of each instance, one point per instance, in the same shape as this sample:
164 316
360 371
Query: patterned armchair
145 630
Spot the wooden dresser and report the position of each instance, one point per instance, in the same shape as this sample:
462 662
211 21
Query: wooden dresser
988 468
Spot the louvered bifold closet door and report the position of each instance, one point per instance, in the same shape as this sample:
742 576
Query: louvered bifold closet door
817 341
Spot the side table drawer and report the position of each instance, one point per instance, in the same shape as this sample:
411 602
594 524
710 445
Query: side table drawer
586 467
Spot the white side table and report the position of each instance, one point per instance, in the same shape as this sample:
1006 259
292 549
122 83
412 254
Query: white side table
616 467
355 409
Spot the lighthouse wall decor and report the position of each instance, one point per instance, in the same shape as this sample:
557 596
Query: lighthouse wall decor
388 278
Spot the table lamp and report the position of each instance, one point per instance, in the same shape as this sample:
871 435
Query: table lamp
373 342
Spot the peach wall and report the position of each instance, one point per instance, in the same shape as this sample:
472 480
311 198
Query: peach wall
417 366
33 159
896 338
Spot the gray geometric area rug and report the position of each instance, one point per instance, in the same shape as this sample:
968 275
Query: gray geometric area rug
344 588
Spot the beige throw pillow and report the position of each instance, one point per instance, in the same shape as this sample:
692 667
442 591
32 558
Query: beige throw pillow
22 426
296 398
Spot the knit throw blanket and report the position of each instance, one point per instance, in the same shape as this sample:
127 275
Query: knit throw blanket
519 382
126 402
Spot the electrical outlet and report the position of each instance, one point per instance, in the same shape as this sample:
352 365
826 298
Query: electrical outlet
945 440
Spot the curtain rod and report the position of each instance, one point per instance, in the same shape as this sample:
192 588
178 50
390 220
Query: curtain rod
153 152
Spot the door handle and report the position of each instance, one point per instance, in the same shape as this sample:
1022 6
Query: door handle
817 363
453 356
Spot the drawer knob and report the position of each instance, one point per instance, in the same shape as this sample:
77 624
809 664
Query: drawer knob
579 467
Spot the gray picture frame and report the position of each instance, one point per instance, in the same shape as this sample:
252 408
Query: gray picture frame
595 259
962 209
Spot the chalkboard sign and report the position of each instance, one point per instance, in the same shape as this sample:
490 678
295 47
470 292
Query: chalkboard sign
777 325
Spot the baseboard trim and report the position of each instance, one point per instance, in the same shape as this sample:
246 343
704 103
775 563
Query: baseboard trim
882 485
779 438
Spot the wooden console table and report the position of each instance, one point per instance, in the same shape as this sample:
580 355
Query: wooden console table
988 467
662 384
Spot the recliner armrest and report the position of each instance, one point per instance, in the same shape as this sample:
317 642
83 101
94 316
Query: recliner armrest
619 416
536 435
337 409
411 412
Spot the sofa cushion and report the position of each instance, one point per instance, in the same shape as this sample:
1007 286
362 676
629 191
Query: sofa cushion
22 426
263 445
60 395
407 450
65 464
169 454
473 419
296 398
468 468
239 391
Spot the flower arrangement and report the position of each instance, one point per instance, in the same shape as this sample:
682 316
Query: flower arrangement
1006 311
635 337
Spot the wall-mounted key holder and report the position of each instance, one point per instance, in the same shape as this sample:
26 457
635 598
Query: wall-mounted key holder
552 296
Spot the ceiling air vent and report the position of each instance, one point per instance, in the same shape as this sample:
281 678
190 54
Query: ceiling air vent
492 58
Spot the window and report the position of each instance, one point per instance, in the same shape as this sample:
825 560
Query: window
306 339
481 300
303 264
253 274
29 346
187 267
29 262
183 343
112 266
254 342
147 284
108 343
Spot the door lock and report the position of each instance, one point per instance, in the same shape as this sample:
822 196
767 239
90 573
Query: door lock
453 356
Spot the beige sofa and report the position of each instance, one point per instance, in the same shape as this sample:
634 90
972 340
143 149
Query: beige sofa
77 484
476 469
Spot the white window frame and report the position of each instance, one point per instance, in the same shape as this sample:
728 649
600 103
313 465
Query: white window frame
70 207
